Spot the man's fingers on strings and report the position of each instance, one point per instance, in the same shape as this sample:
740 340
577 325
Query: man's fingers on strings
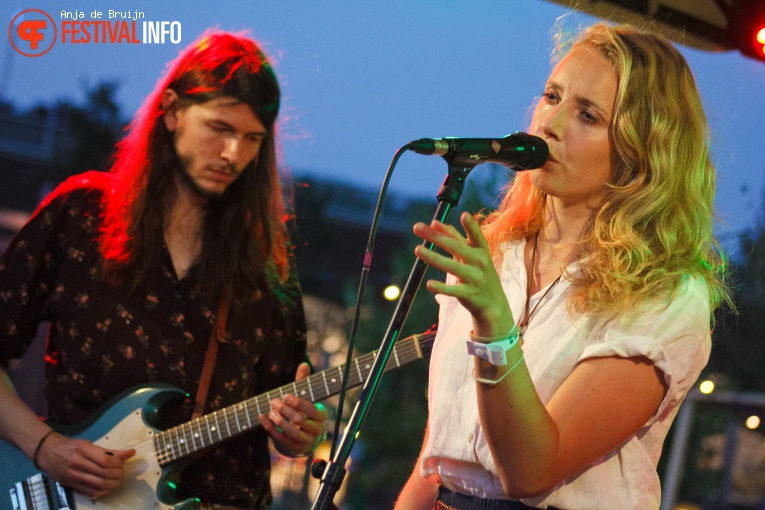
303 371
106 459
303 407
276 431
294 410
286 428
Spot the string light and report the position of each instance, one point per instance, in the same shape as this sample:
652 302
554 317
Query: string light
707 387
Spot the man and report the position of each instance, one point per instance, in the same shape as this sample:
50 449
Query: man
135 268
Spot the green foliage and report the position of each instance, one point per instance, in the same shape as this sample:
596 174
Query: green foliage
90 133
93 129
483 188
318 243
739 344
54 141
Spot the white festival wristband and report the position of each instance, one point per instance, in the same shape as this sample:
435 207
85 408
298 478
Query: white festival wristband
494 382
495 352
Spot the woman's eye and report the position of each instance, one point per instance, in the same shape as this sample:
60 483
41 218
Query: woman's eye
589 117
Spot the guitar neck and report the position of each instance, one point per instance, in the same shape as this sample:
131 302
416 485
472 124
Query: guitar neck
210 429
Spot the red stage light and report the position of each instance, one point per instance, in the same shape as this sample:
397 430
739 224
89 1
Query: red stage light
746 27
760 38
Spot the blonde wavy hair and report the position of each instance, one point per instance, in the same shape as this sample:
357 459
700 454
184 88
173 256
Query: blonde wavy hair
654 227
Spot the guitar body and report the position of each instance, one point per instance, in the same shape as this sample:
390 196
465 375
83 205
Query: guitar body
125 422
130 420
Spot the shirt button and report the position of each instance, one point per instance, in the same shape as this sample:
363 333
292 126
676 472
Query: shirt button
470 438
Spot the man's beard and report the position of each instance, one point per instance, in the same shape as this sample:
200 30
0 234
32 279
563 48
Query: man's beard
182 165
188 181
191 185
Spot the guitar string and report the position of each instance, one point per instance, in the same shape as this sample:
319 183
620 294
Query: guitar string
167 452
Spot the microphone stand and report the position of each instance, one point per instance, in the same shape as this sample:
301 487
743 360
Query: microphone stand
334 472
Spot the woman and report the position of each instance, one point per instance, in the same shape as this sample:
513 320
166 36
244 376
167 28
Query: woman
593 284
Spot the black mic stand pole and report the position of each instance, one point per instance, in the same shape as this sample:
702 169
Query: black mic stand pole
334 472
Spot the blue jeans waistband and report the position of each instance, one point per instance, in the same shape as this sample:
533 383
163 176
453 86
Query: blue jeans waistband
459 501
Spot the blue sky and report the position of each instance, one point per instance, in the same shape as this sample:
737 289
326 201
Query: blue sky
361 79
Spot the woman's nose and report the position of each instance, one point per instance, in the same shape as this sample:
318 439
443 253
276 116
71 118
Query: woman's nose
552 123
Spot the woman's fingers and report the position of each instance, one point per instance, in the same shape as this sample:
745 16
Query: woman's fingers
477 286
444 236
441 262
469 260
475 237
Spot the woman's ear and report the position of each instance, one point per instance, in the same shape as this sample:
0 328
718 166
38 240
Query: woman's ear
169 105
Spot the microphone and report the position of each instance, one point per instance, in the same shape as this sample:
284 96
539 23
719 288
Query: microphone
518 151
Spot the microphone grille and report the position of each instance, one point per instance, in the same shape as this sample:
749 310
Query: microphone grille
531 151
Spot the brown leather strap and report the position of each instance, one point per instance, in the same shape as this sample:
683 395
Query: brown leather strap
218 335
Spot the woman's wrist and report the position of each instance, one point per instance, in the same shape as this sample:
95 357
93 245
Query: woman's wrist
512 333
493 323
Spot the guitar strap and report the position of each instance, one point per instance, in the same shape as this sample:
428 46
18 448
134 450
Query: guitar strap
217 335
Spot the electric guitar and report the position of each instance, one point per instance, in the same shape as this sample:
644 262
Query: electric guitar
127 421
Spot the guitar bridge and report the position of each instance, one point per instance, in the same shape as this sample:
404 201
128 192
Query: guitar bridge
40 492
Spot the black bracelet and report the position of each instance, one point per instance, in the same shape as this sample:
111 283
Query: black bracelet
39 447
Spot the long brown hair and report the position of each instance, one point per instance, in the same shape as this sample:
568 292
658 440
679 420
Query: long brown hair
244 242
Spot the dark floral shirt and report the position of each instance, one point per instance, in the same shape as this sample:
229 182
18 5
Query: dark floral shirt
103 342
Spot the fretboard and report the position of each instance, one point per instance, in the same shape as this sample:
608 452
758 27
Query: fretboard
210 429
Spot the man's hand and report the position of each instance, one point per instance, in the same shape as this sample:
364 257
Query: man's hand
296 424
83 466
